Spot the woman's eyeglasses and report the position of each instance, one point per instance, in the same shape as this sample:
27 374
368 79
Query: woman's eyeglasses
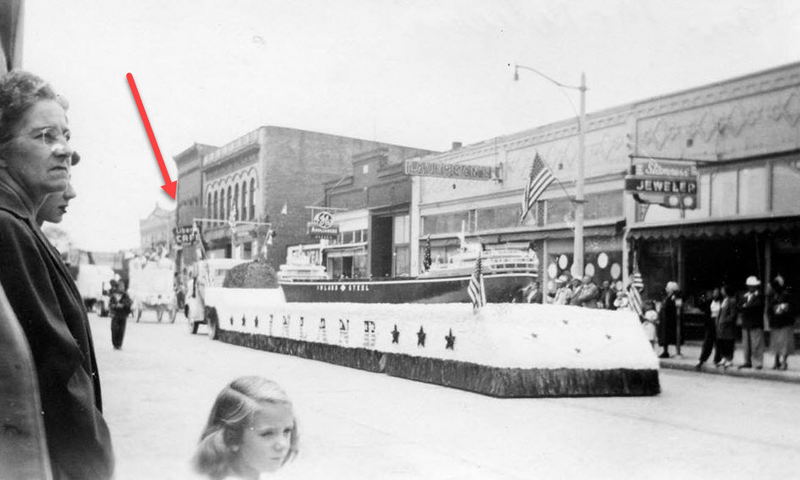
52 136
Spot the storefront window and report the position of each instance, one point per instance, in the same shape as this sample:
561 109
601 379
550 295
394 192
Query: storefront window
603 205
500 217
752 190
401 233
401 261
723 188
360 266
559 211
444 223
786 186
347 237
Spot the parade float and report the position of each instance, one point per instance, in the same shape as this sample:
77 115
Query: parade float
502 350
505 271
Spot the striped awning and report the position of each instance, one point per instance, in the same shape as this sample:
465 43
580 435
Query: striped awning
717 229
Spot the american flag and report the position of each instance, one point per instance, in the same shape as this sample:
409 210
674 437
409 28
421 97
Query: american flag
540 178
634 292
476 290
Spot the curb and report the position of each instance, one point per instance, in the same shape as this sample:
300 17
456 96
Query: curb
768 375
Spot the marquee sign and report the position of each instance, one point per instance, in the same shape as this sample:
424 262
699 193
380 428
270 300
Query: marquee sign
447 170
671 184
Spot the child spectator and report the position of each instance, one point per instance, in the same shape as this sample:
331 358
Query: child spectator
650 325
251 430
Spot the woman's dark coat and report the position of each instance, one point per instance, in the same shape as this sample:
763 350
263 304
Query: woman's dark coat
51 313
668 322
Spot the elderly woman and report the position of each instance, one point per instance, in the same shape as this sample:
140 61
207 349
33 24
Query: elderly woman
668 319
35 161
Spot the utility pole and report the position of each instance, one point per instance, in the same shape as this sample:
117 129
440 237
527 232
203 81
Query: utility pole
579 199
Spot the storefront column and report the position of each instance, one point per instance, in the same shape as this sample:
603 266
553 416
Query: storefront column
544 280
414 227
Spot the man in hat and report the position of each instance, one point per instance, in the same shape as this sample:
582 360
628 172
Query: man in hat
752 310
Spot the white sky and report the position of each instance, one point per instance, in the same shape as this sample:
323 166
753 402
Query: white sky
415 73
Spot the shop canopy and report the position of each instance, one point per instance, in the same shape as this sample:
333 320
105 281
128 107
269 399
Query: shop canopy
730 227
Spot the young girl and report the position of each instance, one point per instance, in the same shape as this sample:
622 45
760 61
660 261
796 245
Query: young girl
251 430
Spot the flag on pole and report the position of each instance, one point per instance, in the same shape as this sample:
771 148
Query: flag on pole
426 261
634 292
539 179
200 250
476 290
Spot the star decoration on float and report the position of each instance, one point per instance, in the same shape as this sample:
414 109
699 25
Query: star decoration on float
395 335
450 340
421 337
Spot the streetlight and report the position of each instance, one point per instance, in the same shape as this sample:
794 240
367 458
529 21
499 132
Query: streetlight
578 200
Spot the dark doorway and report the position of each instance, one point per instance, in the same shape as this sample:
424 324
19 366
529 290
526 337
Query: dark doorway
728 260
381 247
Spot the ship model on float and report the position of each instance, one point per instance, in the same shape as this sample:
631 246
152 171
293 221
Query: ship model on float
505 273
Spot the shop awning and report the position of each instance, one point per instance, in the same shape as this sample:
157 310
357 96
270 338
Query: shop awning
609 230
341 251
716 229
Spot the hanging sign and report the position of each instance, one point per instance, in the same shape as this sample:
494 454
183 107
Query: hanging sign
671 184
322 225
185 235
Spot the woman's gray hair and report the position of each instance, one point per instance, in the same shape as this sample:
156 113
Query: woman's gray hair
19 91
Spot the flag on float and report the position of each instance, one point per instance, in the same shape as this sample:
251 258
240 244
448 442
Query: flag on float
539 179
476 290
634 292
426 261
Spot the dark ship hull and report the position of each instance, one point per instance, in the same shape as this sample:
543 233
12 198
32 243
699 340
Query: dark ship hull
499 288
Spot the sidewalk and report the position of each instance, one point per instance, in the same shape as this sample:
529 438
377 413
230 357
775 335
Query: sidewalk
690 353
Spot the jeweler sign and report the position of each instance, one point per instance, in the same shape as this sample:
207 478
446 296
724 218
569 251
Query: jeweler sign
667 183
447 170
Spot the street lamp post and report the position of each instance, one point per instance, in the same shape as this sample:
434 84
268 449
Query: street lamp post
579 180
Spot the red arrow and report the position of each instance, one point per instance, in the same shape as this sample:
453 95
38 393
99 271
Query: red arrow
169 185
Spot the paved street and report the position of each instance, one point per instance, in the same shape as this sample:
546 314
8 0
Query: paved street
357 425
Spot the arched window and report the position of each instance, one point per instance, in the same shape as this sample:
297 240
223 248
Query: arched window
214 206
252 198
222 204
235 205
209 206
228 203
243 208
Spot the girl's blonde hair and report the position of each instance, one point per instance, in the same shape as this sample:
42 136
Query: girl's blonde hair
231 414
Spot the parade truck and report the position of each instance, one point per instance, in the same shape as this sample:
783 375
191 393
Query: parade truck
205 274
93 282
151 287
